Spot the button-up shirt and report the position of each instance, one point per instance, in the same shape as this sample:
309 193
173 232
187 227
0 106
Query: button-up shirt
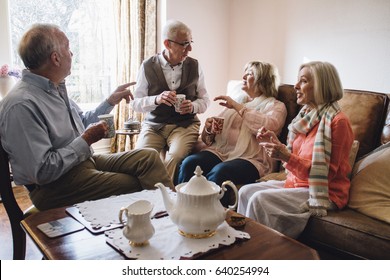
41 132
144 103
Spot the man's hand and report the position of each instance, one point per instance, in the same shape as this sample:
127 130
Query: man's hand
121 92
166 97
95 132
186 107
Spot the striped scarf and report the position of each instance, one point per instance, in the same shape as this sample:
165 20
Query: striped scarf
318 201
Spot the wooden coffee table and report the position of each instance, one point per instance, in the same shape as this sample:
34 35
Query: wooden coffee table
264 243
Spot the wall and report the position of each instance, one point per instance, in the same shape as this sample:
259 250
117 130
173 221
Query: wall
209 21
256 33
354 35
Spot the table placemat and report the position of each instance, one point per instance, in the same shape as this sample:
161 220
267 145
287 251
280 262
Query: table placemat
104 213
168 244
75 213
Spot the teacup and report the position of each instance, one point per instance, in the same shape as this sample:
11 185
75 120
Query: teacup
109 119
217 125
179 100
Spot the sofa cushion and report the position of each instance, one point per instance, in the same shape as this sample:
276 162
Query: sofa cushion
367 121
234 88
370 186
288 96
350 234
353 154
364 231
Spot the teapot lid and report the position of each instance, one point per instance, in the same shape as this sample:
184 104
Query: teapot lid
198 185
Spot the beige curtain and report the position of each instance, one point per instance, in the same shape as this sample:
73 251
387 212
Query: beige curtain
136 22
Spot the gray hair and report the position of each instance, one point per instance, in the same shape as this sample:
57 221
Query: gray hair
172 28
327 83
37 44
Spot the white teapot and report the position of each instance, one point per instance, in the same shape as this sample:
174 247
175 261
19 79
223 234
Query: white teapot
197 210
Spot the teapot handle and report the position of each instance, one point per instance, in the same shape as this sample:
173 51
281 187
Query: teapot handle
233 186
123 209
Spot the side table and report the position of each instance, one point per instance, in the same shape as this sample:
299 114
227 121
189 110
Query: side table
130 133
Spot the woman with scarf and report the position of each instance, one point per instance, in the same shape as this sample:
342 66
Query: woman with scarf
234 154
315 158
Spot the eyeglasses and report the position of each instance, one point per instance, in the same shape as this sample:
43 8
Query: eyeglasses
184 44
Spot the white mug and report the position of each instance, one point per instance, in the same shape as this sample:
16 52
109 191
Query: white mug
179 99
109 119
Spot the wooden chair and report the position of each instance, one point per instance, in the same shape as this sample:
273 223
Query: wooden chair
15 214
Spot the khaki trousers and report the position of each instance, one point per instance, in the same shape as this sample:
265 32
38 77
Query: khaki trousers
102 176
178 141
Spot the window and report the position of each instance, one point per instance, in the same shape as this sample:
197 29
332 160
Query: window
89 25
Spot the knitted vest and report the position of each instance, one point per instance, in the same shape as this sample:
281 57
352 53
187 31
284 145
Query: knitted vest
164 114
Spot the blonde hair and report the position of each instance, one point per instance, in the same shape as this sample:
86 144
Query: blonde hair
267 77
327 83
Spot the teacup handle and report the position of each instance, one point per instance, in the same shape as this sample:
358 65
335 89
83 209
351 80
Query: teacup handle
123 209
233 186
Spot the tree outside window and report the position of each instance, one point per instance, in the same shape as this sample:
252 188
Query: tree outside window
89 25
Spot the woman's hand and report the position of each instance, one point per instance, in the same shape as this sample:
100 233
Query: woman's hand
228 102
273 147
263 135
208 124
207 135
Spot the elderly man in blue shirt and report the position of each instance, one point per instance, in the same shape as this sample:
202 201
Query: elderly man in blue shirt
48 137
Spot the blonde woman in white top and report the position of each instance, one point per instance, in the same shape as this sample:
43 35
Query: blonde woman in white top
235 154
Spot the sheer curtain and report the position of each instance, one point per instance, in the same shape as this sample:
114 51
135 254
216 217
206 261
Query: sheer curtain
136 40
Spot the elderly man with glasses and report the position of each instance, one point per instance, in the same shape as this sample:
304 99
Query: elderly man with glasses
160 79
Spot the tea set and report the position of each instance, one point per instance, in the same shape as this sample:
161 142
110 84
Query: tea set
196 211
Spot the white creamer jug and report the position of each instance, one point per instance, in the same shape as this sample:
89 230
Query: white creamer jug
138 228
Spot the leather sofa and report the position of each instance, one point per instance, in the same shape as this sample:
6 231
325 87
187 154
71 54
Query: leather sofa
348 233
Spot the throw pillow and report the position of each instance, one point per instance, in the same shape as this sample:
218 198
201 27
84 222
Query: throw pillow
234 91
370 187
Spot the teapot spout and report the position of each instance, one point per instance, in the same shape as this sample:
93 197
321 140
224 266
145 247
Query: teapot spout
168 202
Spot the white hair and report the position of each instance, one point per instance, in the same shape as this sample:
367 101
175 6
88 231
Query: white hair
172 27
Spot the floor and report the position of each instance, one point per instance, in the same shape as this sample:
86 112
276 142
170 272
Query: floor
6 251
